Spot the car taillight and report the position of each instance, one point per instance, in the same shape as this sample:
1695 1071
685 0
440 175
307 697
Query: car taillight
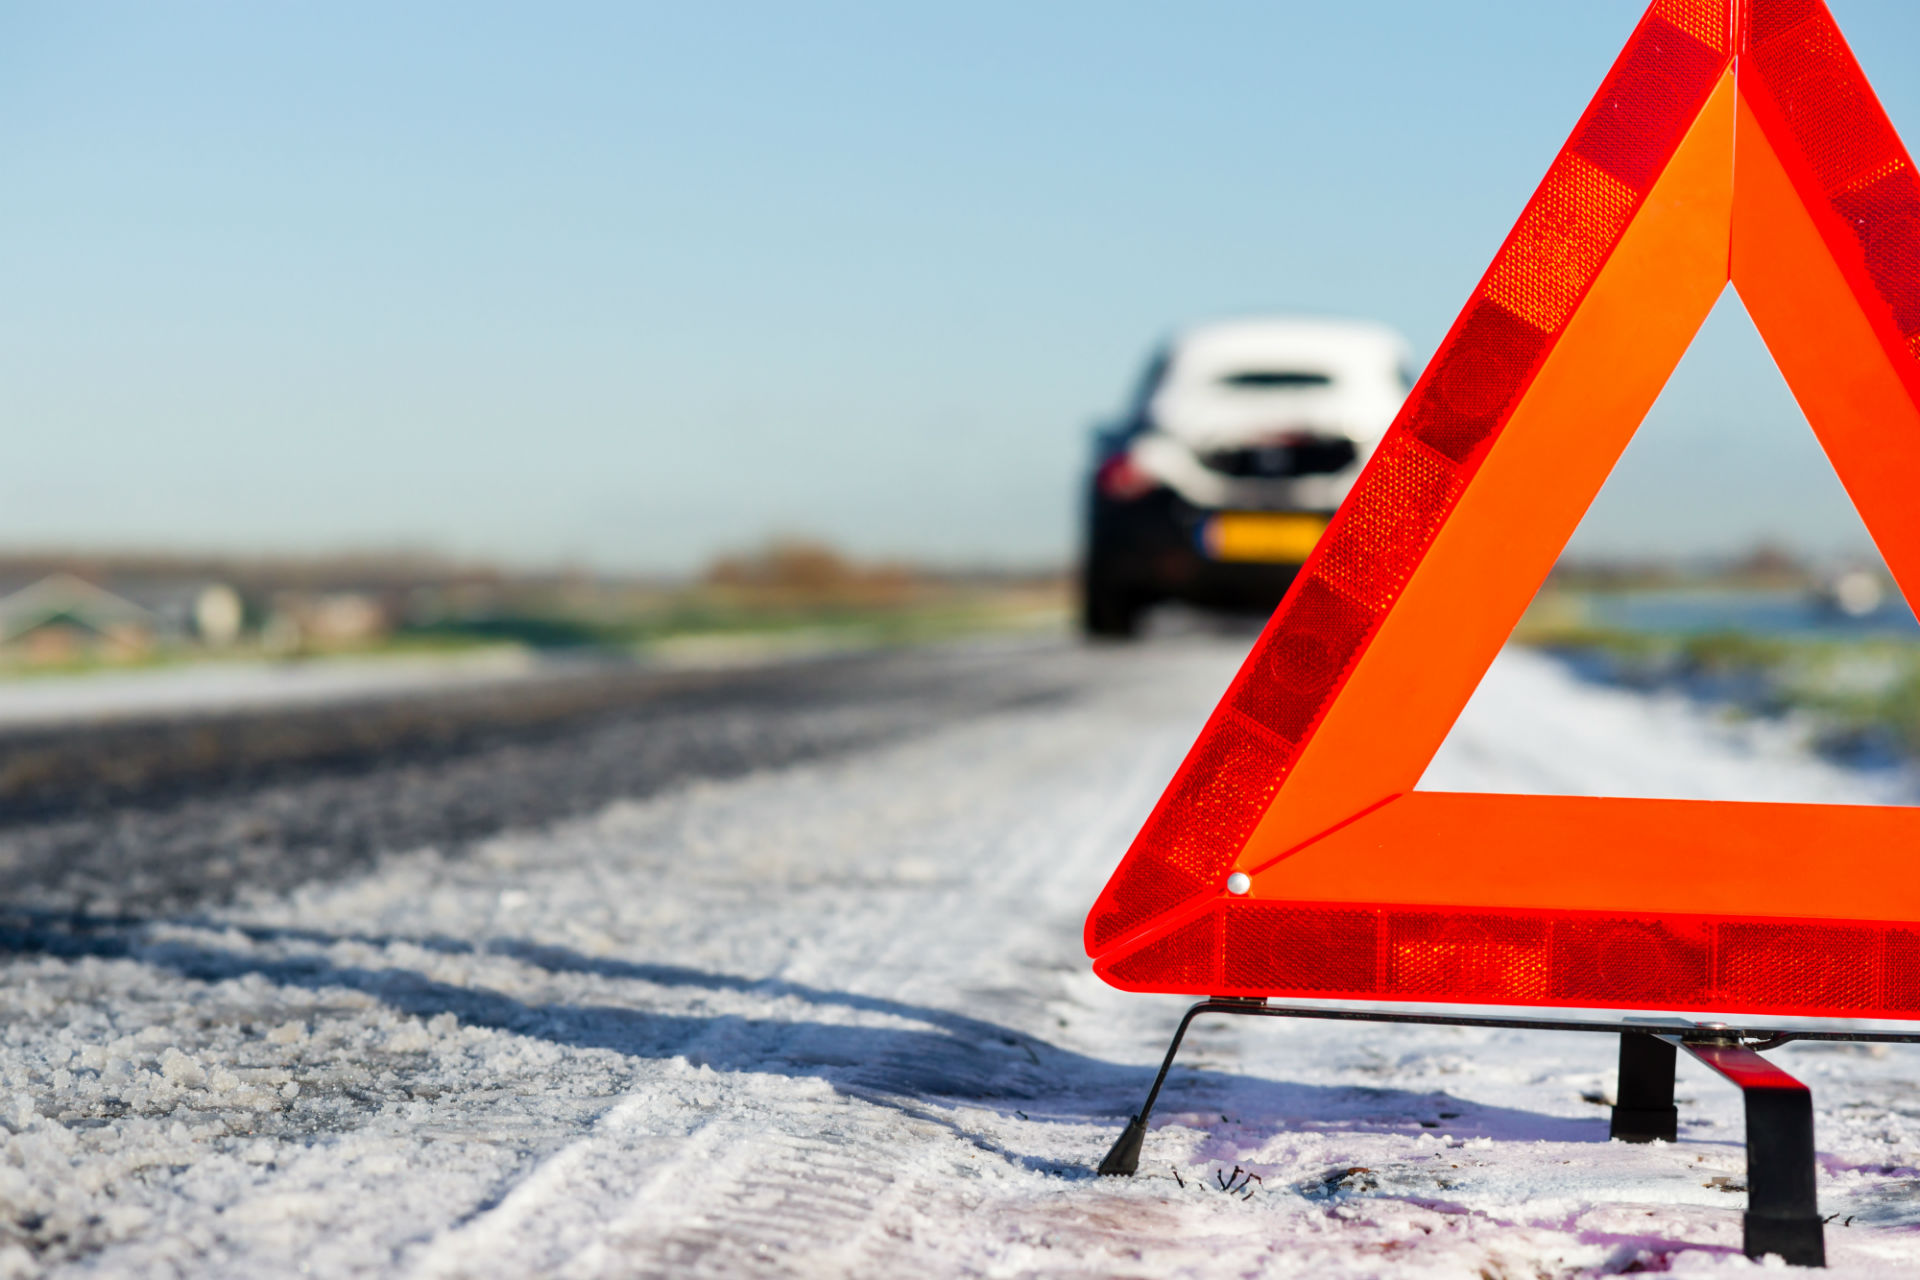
1123 479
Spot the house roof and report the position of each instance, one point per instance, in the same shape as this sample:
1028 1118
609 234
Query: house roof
64 597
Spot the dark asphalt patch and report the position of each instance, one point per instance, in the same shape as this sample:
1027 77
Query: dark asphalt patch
161 817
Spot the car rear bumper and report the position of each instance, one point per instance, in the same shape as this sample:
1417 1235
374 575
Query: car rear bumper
1157 548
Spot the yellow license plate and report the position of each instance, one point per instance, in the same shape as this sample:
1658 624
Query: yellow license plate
1262 539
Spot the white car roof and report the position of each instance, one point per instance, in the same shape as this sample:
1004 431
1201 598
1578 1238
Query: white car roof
1343 345
1200 400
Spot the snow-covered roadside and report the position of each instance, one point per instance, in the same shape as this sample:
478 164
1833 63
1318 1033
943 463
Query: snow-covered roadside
834 1020
212 687
1533 727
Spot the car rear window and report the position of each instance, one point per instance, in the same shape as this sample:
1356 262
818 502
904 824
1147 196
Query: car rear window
1276 379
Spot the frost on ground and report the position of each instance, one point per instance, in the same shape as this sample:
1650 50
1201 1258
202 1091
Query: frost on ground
212 687
834 1019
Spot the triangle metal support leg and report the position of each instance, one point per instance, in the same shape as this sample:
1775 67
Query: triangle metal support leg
1123 1160
1783 1214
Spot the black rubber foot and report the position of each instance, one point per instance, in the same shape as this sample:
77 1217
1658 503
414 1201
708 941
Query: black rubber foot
1643 1104
1645 1124
1124 1160
1800 1241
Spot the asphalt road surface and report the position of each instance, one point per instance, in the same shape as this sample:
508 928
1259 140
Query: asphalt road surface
777 973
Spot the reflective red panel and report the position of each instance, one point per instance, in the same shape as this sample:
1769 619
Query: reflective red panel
1189 842
1601 960
1844 151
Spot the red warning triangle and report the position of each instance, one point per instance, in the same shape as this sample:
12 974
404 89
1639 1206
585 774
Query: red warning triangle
1731 143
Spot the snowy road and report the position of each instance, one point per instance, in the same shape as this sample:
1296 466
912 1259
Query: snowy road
818 1007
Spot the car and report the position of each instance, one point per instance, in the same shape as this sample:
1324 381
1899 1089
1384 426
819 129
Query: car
1238 446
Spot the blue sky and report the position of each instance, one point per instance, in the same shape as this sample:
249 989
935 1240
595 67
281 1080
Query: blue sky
630 283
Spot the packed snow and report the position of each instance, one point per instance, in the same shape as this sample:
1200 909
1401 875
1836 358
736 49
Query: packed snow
212 687
834 1019
1533 728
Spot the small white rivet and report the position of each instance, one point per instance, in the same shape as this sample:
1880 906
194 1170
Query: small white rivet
1238 883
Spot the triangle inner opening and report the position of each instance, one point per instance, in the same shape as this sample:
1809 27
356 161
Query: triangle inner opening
1720 626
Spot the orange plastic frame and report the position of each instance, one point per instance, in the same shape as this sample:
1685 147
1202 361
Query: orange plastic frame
1737 202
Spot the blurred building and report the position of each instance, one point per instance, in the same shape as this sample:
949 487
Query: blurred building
114 607
325 620
63 618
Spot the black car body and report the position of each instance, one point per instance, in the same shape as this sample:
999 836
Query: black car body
1239 445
